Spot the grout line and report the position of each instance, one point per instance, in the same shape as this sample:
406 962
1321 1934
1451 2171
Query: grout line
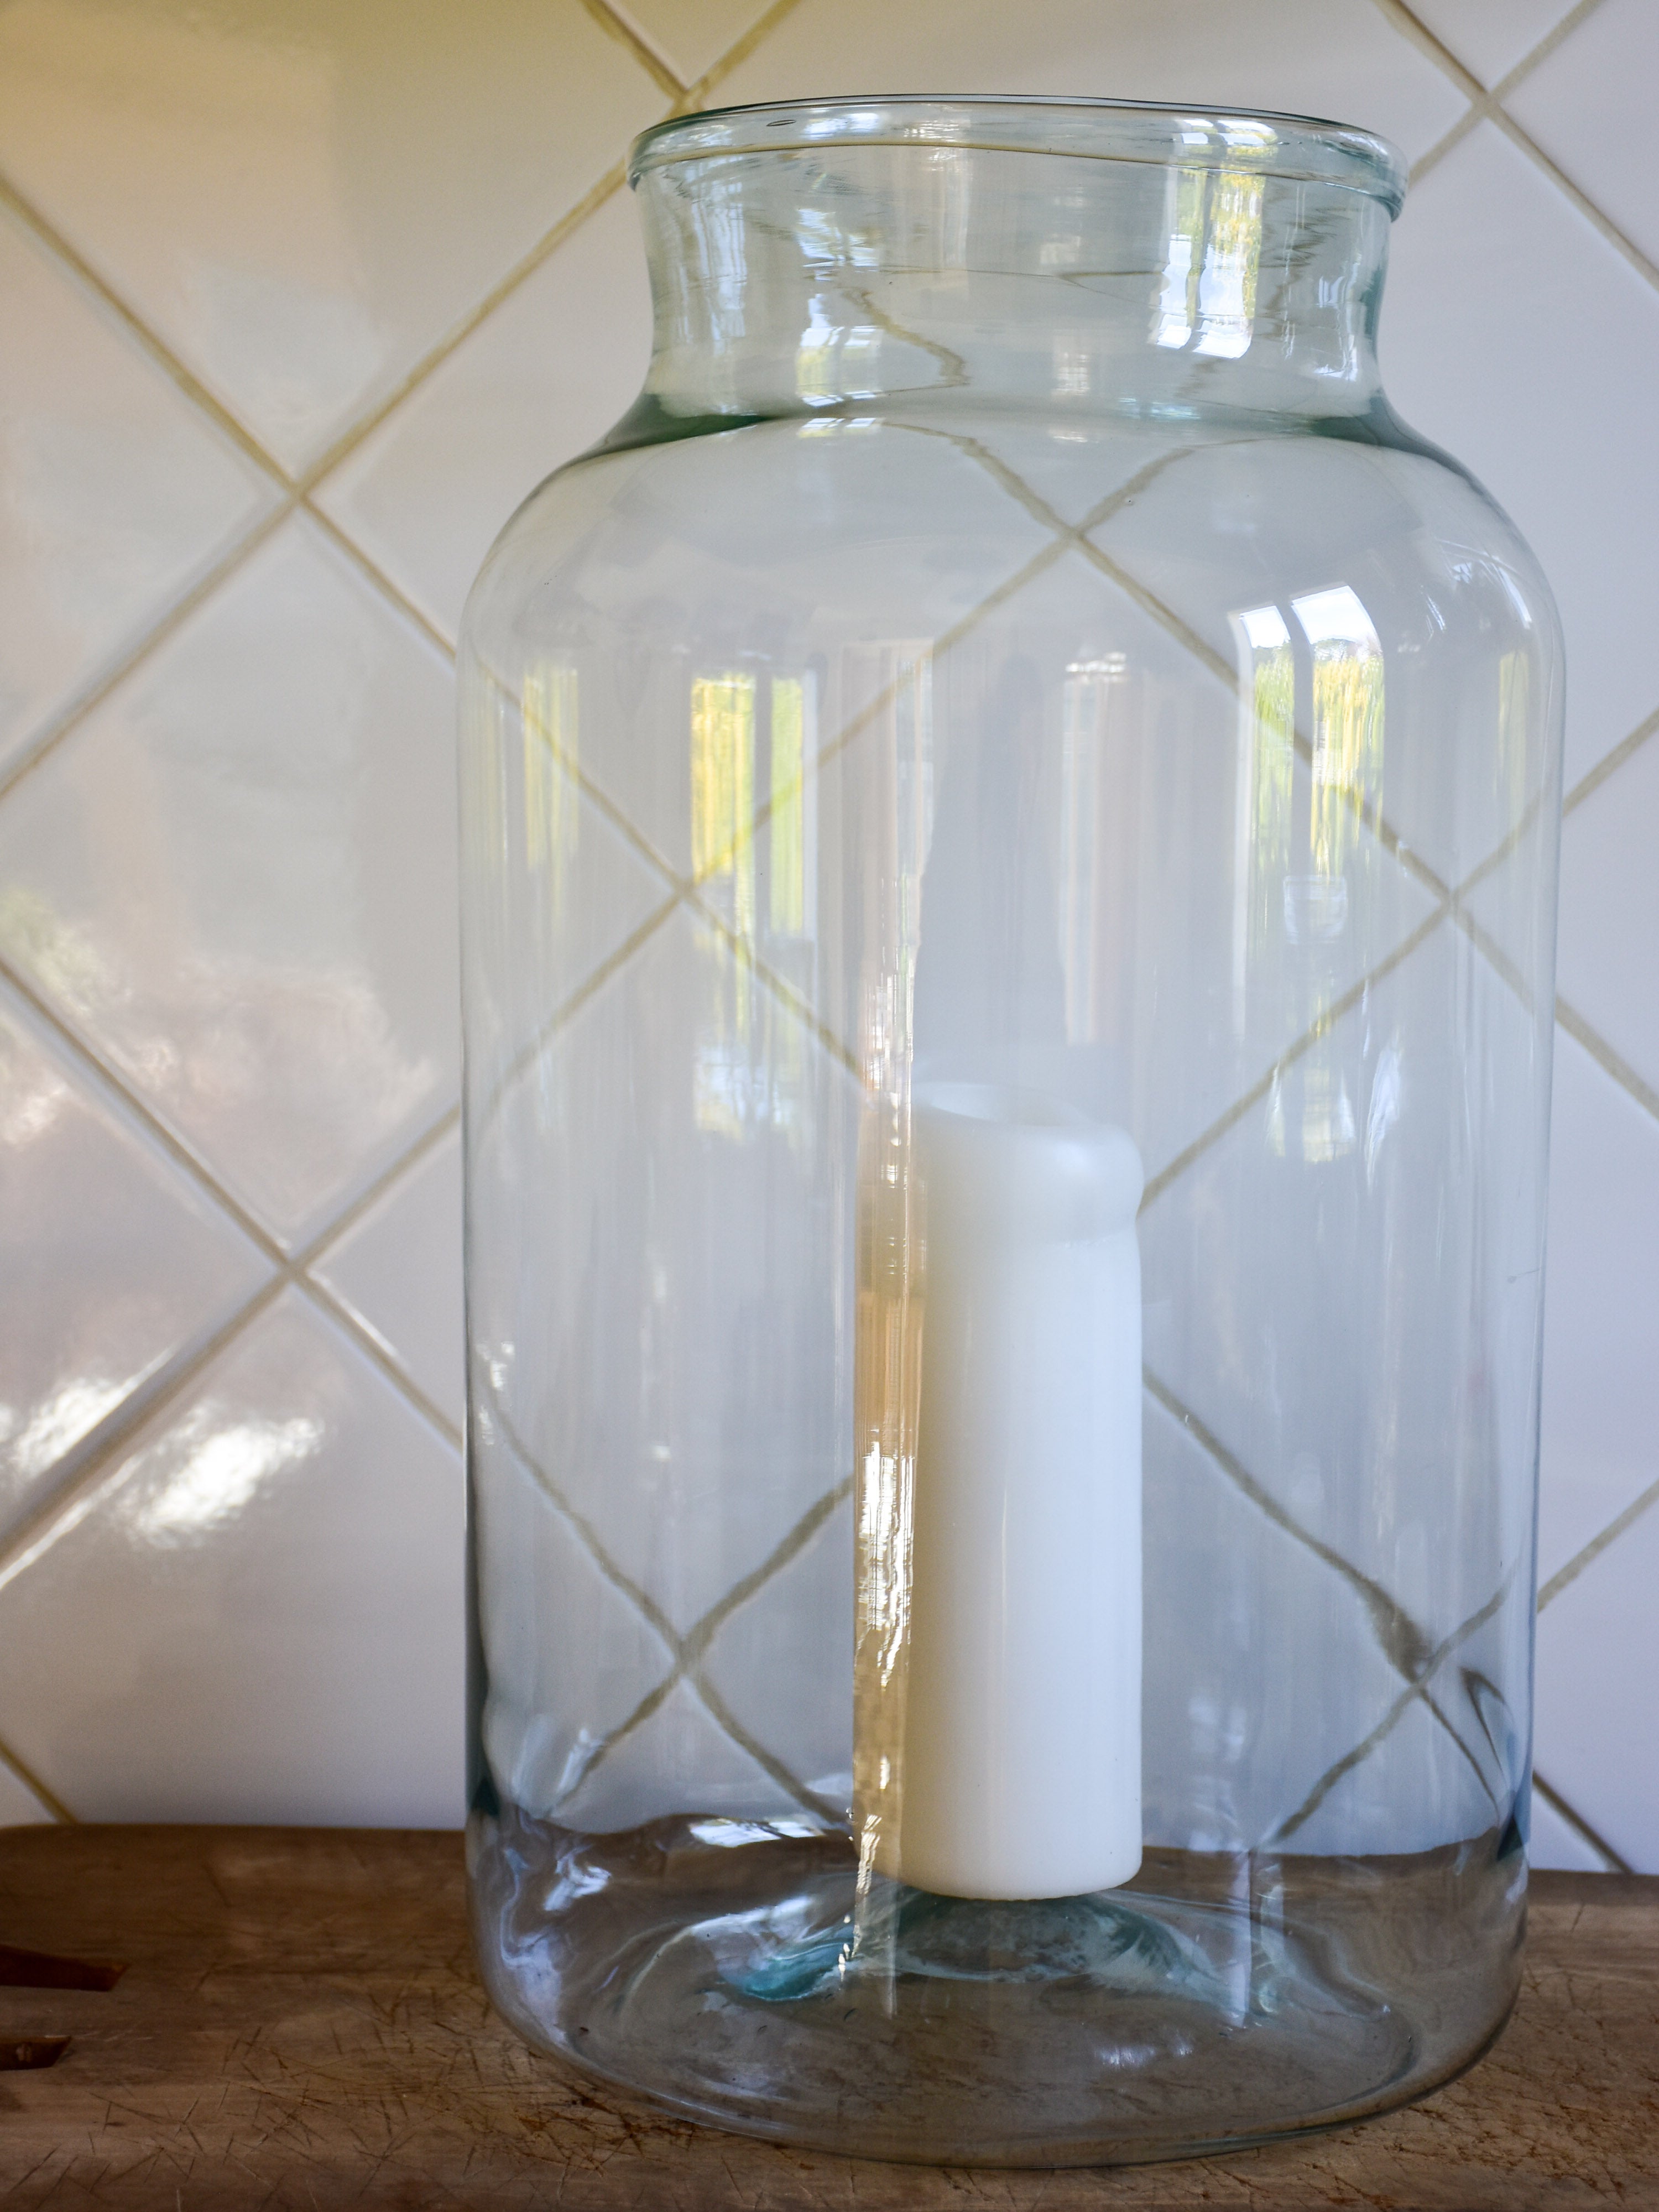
87 1058
1564 1577
1591 781
32 1782
1402 1640
736 54
1586 206
1559 1806
1396 1712
375 575
1327 1020
1484 100
167 625
86 1463
156 347
1606 1058
544 250
364 1340
626 33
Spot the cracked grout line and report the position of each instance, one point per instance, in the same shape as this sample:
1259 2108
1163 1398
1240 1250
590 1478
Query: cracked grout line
1564 1578
1597 1841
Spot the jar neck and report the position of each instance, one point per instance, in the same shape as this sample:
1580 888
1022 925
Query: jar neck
802 280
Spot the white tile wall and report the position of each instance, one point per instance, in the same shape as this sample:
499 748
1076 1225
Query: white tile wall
301 301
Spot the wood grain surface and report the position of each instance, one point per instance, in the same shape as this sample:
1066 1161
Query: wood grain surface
299 2025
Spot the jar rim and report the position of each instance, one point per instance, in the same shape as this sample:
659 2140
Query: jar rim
1303 148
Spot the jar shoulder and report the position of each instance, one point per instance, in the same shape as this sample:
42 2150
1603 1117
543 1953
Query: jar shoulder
905 521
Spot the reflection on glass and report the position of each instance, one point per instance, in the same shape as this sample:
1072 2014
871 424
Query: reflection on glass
1096 819
1207 300
551 822
1267 760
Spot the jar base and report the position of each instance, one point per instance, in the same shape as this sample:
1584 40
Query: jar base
735 1972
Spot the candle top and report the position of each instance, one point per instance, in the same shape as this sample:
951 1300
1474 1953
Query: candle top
1021 1163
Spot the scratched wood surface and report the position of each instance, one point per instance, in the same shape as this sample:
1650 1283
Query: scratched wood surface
299 2025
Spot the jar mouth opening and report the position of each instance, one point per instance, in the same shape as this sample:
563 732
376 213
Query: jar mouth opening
1302 149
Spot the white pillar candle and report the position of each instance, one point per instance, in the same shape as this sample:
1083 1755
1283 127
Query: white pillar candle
1019 1770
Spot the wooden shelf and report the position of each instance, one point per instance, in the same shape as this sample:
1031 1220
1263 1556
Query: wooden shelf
299 2025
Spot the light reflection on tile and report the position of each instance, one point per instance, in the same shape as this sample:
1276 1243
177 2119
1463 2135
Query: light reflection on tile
116 1262
325 190
397 1270
116 494
540 380
236 878
257 1615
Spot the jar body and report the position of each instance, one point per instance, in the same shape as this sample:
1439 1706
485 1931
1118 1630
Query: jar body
970 899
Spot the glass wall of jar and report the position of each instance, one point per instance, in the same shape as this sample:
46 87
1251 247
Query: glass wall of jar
1010 830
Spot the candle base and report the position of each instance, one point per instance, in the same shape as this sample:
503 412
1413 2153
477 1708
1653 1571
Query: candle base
730 1970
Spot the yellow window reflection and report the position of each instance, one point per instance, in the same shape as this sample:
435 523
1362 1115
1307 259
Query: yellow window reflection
551 755
1348 723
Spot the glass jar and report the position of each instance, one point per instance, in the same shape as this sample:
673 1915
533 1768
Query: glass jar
1009 845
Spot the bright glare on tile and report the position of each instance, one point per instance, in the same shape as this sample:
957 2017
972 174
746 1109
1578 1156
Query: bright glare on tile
236 878
257 1616
1589 106
539 380
303 201
1600 1406
1516 336
1336 58
116 493
398 1271
117 1262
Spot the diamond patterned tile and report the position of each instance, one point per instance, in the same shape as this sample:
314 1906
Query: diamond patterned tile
1490 36
678 1356
679 1760
119 495
117 1262
19 1805
538 382
568 1656
1555 1842
302 203
1589 106
1337 58
1499 294
1306 1233
782 1662
1610 912
235 878
1598 1687
257 1614
1262 1674
692 34
398 1271
1601 1407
